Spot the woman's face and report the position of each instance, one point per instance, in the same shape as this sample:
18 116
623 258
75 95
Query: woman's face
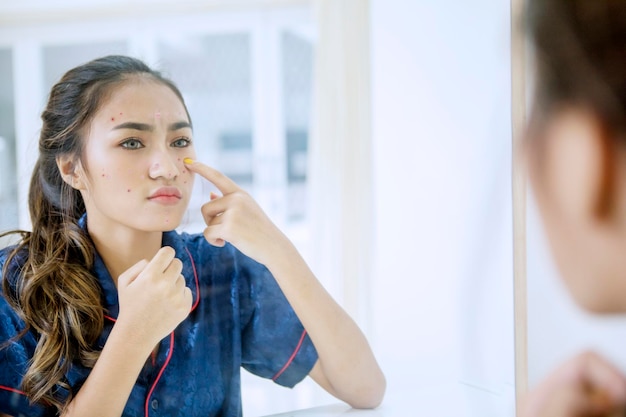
133 159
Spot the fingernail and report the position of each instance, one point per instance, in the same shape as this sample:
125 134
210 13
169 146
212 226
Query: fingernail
188 161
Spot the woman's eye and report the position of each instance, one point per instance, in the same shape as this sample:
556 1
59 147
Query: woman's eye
132 144
181 143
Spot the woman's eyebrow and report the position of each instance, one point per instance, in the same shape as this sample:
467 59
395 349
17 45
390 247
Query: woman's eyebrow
179 125
145 127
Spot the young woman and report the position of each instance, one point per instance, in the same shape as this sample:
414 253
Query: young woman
106 311
576 152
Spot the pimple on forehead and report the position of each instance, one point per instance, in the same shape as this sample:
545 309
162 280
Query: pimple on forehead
157 114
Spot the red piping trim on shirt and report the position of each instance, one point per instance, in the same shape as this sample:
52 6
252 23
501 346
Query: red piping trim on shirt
291 358
169 354
167 361
17 391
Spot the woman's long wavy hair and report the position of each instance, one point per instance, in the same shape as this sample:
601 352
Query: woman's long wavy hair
55 292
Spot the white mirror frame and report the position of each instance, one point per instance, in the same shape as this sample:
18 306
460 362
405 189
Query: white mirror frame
518 119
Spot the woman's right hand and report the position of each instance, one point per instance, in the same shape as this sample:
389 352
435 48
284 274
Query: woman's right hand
586 386
153 297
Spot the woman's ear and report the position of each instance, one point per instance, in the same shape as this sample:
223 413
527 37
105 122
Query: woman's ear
576 172
71 171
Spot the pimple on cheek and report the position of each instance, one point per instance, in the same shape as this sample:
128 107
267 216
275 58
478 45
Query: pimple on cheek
128 190
157 114
104 174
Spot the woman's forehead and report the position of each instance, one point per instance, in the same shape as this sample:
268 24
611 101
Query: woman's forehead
143 93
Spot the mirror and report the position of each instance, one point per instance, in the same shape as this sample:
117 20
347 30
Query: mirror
425 227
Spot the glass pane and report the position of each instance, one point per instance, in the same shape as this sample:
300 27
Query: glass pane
213 73
8 183
297 71
58 59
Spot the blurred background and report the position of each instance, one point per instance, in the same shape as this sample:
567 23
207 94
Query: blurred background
375 133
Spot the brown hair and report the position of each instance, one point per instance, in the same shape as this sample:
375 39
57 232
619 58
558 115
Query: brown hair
54 291
580 54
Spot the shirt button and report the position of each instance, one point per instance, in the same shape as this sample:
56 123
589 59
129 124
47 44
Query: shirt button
154 404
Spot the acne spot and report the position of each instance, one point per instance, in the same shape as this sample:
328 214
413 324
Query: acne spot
184 171
112 119
157 114
128 191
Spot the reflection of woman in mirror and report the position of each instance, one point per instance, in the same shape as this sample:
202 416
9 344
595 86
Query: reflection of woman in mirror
107 311
576 152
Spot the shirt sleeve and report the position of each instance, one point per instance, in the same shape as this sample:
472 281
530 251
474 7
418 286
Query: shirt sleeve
14 357
275 345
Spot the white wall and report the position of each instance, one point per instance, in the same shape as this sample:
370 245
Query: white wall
442 293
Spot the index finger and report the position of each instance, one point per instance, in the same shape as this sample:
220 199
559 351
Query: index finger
221 181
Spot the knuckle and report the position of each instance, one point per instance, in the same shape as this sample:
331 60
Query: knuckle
177 263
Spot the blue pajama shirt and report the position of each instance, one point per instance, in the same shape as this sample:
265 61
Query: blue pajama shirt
239 317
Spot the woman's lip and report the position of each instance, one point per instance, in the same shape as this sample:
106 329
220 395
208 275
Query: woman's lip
166 193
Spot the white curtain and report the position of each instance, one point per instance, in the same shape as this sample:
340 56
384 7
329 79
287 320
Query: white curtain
340 154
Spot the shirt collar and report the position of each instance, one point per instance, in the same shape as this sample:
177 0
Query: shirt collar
109 291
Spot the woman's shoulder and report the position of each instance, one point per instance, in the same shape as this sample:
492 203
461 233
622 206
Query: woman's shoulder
10 322
16 257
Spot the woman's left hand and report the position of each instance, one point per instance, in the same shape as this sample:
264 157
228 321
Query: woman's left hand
236 218
585 386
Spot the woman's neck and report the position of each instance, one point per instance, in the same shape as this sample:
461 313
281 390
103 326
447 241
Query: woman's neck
121 247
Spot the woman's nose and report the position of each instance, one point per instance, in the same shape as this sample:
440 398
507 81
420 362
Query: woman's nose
163 166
